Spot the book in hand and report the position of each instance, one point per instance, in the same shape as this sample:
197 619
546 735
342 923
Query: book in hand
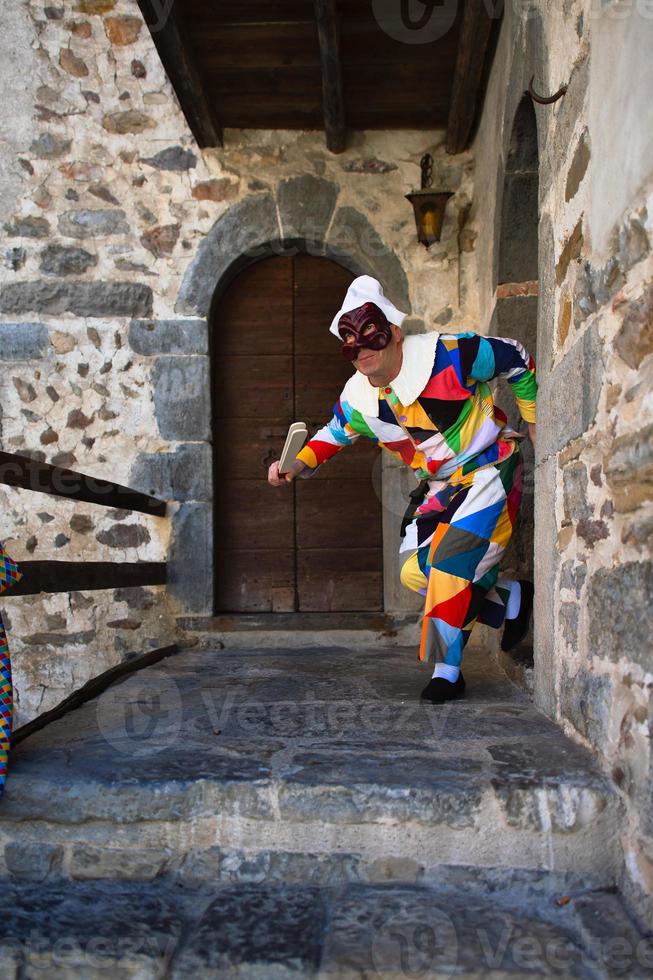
297 434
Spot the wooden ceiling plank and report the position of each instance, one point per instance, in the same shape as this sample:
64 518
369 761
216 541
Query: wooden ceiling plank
332 93
178 59
238 12
473 44
258 47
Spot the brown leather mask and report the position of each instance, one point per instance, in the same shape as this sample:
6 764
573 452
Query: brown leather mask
369 328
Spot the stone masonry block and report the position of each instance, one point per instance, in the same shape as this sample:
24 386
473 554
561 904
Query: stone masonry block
547 561
305 205
190 568
546 317
90 223
568 397
169 336
351 235
629 469
22 341
66 260
184 474
31 860
620 613
586 700
237 235
182 398
575 483
81 298
89 862
258 931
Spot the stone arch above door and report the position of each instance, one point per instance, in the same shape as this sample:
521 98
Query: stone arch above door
303 215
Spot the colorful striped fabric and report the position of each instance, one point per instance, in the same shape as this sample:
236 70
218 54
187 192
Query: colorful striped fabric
10 573
453 426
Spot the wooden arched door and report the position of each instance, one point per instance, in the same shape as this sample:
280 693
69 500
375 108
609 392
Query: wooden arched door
315 545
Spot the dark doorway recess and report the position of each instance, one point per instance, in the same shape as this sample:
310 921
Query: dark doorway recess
518 258
314 546
516 313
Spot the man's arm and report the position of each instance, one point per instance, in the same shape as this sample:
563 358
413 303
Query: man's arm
486 358
326 443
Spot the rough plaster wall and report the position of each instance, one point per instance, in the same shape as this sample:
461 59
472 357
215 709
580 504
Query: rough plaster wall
594 489
18 81
620 114
101 372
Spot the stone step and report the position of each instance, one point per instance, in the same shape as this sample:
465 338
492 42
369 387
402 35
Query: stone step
321 764
509 924
299 631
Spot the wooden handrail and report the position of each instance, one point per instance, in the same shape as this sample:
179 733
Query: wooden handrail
86 576
92 689
31 474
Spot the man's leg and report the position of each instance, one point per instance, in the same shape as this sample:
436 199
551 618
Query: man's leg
463 567
508 604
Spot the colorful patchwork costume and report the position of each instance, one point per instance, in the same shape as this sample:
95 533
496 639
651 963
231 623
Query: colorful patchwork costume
9 575
438 417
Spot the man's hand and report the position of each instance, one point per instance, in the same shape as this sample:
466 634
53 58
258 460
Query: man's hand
279 479
531 432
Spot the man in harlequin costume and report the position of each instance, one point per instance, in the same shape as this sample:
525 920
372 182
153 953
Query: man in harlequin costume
426 399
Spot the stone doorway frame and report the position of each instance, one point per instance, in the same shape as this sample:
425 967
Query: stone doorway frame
528 55
301 215
516 284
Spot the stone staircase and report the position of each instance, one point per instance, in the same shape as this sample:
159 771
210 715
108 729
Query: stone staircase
275 813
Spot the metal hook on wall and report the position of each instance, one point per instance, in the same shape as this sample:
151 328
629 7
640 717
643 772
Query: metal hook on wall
542 99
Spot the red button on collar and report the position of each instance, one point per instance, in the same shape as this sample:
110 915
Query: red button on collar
388 391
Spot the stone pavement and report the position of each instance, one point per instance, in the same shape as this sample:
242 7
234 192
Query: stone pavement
275 813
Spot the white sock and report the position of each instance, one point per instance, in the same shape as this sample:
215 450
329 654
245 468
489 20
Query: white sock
514 599
449 672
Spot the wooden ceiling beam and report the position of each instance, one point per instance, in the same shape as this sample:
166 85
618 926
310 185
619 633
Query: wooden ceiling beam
177 57
475 33
333 103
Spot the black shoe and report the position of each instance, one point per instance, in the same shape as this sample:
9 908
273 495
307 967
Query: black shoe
516 629
438 690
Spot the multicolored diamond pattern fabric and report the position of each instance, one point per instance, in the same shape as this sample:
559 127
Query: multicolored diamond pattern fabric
453 426
460 555
457 439
10 573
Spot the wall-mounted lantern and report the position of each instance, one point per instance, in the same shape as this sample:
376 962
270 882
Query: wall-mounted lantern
428 205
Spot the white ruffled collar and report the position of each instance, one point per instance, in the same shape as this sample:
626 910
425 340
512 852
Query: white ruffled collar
416 368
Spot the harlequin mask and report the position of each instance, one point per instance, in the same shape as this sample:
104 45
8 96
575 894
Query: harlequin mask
366 327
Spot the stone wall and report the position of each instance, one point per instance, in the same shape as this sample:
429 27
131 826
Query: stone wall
117 231
594 483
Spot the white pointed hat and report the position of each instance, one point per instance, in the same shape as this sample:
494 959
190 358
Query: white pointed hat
366 289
